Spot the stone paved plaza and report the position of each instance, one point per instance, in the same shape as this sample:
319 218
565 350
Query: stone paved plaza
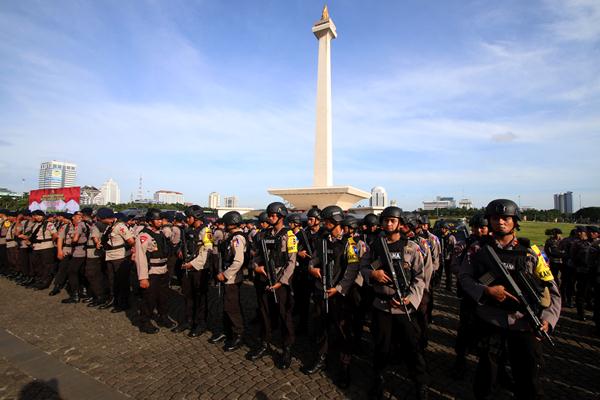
50 350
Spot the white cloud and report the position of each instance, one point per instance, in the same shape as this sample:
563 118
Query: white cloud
575 20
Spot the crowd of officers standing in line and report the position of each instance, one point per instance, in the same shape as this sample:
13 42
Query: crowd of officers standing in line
337 271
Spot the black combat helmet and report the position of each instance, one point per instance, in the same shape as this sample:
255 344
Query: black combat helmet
104 213
293 219
412 220
232 218
263 217
350 221
153 214
277 208
332 213
314 213
423 219
194 211
392 212
503 208
370 220
478 220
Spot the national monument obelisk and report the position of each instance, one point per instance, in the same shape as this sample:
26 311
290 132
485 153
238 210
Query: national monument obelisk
323 193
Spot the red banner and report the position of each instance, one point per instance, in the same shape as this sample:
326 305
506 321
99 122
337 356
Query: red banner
54 200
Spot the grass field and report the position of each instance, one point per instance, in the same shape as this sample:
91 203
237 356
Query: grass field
535 231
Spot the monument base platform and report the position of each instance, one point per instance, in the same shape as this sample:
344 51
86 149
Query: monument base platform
306 198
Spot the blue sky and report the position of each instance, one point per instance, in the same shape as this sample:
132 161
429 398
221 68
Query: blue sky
461 98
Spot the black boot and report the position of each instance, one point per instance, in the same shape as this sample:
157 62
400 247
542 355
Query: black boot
54 291
319 365
233 344
165 322
147 327
259 352
196 331
184 326
344 378
216 338
96 302
286 358
107 304
376 391
71 300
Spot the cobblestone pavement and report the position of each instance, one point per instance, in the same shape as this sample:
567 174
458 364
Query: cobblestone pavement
109 348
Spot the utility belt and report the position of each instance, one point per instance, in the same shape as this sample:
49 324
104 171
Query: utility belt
157 262
109 247
36 241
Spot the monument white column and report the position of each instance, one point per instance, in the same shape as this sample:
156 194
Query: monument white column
325 31
323 193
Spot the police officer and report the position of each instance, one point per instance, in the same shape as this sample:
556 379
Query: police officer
424 312
448 241
232 276
93 264
500 316
42 237
335 267
150 255
64 253
361 298
422 230
392 321
567 284
198 247
23 231
114 239
274 272
300 279
464 336
579 251
370 228
12 247
555 253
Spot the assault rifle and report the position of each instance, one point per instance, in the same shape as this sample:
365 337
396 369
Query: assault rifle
530 292
218 268
326 272
400 286
306 242
269 266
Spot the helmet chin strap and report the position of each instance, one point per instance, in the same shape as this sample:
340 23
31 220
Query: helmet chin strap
504 234
276 222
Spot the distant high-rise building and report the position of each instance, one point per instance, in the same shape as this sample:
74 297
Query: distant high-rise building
378 197
168 197
231 202
57 174
110 192
563 202
214 200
